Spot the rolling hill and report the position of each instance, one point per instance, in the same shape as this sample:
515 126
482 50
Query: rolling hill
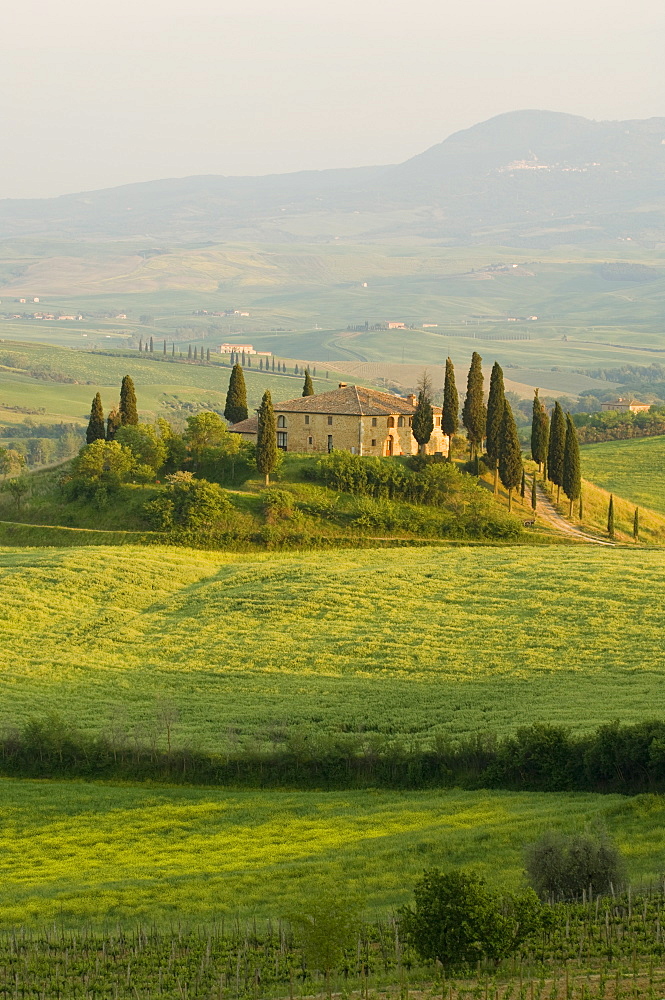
529 178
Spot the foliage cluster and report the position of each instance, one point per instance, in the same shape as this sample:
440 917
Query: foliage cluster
610 425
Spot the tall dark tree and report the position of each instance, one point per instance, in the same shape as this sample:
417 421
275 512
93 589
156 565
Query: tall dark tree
152 346
243 360
556 449
450 411
208 355
164 346
423 417
273 364
141 344
572 478
534 493
295 370
173 350
510 454
636 524
474 416
112 424
129 413
495 406
540 428
236 397
189 353
610 517
95 430
308 387
266 438
196 356
523 485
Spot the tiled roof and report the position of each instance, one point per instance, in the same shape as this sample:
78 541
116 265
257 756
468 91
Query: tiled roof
352 400
249 426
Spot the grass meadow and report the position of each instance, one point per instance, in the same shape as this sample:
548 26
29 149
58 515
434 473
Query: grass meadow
80 854
407 642
633 469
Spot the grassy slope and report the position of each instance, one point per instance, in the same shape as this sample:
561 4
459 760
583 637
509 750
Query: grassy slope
399 641
80 854
633 469
156 382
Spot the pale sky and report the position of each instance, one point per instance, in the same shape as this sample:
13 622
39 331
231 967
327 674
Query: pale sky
96 94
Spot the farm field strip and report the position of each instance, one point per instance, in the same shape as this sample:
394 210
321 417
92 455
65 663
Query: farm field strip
82 854
404 642
634 469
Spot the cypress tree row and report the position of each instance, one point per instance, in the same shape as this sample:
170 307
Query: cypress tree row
423 418
495 406
540 428
450 411
266 438
610 517
572 479
112 424
308 387
95 430
556 449
510 454
129 413
236 397
636 524
473 415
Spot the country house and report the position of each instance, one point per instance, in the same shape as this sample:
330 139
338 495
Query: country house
350 418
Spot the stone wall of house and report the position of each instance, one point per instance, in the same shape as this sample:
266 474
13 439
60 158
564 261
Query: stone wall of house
318 432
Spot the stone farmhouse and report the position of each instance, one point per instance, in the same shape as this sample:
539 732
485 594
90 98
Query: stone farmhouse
350 418
626 406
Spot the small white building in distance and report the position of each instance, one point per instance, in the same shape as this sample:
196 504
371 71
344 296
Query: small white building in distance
236 349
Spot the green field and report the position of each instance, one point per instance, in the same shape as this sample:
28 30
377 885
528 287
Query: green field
632 469
409 642
78 853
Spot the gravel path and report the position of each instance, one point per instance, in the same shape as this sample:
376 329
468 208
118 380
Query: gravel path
548 513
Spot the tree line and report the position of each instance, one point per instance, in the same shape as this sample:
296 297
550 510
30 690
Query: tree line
627 759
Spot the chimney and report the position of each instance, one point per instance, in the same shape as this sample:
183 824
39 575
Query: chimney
343 385
413 399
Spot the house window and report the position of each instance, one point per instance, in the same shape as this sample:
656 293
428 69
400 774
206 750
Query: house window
373 421
400 421
310 440
438 421
373 442
281 421
307 418
391 421
281 440
329 421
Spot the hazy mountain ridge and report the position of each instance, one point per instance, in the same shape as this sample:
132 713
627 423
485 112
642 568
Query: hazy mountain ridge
533 177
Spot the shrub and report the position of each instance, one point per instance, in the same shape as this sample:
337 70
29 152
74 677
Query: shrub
187 503
276 504
564 868
459 921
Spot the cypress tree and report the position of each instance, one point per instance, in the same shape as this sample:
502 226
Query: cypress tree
260 364
164 346
523 486
189 353
423 417
572 480
473 414
534 493
152 346
266 438
581 510
95 430
141 344
636 524
308 388
610 517
129 413
236 397
273 364
540 426
112 424
295 370
173 350
510 454
450 411
195 353
556 449
495 407
243 361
